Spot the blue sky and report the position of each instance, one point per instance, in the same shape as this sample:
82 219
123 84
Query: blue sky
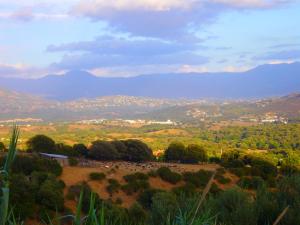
132 37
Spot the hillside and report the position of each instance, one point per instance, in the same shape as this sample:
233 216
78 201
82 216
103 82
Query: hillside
18 105
260 82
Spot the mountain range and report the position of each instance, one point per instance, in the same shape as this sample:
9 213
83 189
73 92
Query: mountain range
263 81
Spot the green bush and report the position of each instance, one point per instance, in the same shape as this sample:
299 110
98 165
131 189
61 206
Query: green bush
251 182
186 190
198 179
145 197
51 195
135 176
97 176
263 168
164 204
137 213
135 182
28 164
167 175
234 207
22 196
73 161
135 186
152 173
222 179
113 186
74 193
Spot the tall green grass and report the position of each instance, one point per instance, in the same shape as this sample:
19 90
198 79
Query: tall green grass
5 216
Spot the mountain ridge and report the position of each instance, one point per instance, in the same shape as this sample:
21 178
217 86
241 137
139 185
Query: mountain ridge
268 80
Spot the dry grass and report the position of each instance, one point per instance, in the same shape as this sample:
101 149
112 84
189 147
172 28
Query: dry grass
75 175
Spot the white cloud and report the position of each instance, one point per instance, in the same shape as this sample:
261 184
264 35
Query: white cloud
23 71
163 18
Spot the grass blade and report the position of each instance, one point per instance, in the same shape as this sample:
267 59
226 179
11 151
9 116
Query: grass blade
282 214
204 193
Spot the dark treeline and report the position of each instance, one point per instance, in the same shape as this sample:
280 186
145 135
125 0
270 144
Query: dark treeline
128 150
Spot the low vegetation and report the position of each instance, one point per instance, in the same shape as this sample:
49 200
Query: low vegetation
264 191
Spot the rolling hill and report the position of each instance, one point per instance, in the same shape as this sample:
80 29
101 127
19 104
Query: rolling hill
18 105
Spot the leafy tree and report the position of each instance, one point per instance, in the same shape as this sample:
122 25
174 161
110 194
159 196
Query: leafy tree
175 152
81 149
103 150
137 151
41 143
194 154
64 149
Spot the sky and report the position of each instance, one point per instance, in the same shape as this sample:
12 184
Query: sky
114 38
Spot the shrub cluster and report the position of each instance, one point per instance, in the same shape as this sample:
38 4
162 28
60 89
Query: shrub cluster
167 175
198 179
249 166
29 164
113 186
135 182
97 176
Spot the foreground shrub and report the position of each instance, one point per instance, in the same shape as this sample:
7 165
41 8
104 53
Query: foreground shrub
186 190
145 197
137 213
22 196
28 164
74 193
167 175
51 195
234 207
164 204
